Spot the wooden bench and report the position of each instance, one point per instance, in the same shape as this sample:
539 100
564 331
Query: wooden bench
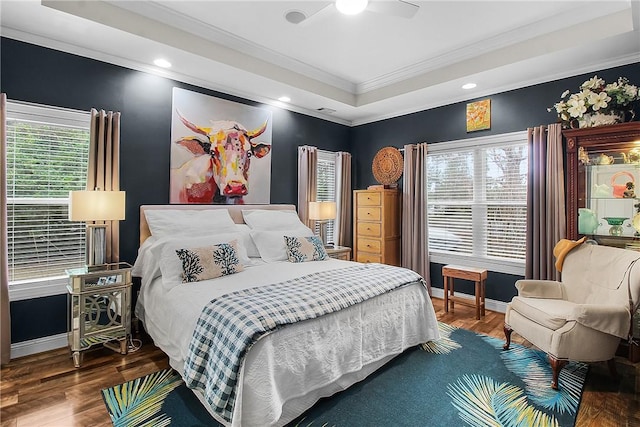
477 275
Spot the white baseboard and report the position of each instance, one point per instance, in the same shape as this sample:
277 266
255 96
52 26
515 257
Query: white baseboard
38 345
489 304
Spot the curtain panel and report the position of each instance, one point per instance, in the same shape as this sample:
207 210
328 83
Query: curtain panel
343 199
104 168
307 182
5 320
415 240
546 216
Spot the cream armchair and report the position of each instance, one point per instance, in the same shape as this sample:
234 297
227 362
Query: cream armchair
583 317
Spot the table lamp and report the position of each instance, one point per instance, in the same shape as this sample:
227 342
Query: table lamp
323 212
96 206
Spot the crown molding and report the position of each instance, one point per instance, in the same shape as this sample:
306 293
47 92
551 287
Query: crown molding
139 66
593 67
165 15
124 62
143 67
575 15
119 19
178 21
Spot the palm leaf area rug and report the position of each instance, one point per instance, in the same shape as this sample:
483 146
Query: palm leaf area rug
462 379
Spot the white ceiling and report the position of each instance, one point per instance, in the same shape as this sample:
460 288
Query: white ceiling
366 67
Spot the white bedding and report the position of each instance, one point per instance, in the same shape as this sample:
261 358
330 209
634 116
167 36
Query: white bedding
287 371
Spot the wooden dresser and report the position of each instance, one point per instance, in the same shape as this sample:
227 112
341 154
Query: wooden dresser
376 225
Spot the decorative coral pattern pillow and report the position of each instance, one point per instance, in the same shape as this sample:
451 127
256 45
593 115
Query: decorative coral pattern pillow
209 262
302 249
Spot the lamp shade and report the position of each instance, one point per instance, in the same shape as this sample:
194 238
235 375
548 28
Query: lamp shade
322 210
96 205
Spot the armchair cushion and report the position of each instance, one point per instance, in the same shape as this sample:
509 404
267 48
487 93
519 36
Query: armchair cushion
550 313
555 313
540 289
610 319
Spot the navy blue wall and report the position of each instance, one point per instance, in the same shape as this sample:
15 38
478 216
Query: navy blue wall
511 111
44 76
35 74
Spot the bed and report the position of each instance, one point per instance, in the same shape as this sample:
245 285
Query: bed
291 367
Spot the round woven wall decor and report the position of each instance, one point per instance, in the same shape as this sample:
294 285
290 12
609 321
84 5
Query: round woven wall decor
387 165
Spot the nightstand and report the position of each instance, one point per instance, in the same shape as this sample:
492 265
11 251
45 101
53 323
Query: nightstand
339 252
99 308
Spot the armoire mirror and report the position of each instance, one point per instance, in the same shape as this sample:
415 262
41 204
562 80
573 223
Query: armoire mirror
603 183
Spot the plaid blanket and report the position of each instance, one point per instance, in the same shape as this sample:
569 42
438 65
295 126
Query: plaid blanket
228 326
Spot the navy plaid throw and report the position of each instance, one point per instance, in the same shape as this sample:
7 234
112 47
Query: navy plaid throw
228 326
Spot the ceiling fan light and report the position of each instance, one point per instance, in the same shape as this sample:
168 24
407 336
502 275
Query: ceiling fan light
351 7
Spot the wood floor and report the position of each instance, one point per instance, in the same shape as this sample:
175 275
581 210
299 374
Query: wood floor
46 390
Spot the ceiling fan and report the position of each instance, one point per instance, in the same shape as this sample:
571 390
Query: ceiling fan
398 8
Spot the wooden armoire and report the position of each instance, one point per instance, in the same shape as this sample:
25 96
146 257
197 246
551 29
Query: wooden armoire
376 226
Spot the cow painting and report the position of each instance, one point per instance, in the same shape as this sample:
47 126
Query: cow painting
212 166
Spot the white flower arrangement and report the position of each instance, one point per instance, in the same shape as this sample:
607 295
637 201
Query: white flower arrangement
597 103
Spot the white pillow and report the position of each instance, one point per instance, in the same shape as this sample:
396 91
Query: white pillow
144 254
271 244
247 241
168 222
170 264
261 219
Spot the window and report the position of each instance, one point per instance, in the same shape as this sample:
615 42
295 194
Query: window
326 185
47 154
477 201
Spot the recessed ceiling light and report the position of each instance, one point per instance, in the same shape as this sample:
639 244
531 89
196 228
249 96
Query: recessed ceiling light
162 63
469 86
295 16
351 7
284 99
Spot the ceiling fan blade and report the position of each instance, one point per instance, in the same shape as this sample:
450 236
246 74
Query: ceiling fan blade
398 8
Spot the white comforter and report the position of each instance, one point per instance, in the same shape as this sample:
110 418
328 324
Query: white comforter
287 371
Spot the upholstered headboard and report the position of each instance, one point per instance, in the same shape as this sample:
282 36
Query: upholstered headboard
234 210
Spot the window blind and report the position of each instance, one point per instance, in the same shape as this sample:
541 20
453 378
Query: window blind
476 200
326 185
450 201
47 154
505 189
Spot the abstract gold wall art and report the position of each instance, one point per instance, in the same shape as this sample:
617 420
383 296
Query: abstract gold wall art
479 115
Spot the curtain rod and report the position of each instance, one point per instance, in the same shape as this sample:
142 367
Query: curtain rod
402 149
